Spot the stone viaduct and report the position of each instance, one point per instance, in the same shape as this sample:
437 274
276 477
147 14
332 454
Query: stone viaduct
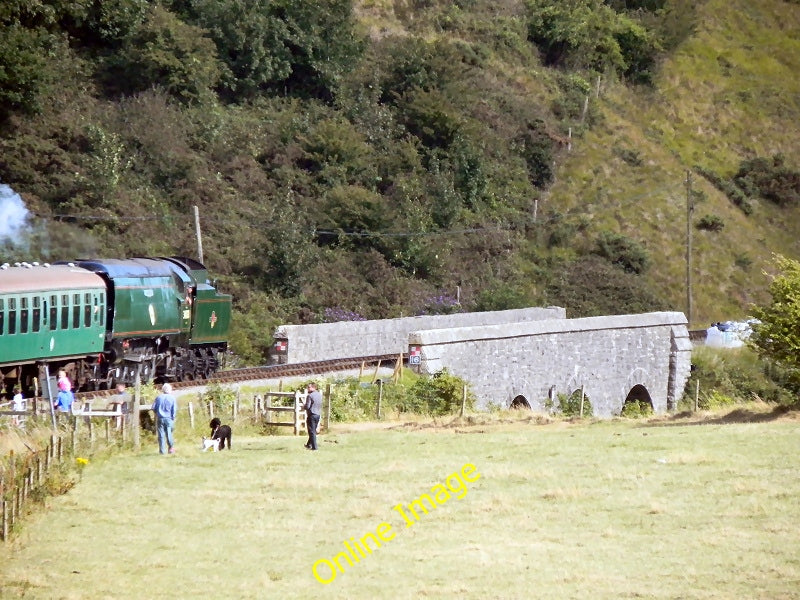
521 357
614 359
348 339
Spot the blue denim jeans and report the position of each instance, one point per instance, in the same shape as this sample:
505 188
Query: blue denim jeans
165 441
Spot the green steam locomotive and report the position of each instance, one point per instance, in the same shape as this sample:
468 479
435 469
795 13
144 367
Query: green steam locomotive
102 321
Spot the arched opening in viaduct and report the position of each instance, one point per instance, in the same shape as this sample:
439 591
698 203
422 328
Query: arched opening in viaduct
520 402
639 399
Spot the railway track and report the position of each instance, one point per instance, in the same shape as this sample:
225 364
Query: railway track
248 374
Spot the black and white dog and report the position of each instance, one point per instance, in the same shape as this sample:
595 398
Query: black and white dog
220 432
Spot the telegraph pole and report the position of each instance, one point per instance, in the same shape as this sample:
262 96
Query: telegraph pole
689 210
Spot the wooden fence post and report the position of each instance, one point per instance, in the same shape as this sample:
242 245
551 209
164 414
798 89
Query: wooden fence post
463 399
5 520
268 405
380 397
696 394
136 412
582 395
191 415
297 412
329 396
377 368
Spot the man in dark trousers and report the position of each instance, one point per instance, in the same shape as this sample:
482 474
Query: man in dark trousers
313 410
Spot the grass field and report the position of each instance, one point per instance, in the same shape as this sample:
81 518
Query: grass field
614 509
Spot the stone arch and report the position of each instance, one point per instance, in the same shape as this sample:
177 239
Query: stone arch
637 376
520 402
638 394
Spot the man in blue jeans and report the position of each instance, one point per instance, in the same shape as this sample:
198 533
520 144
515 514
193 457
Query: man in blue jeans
164 408
313 410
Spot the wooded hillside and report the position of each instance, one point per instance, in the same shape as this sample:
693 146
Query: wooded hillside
377 159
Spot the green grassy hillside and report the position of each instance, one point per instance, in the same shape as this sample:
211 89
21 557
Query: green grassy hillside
727 93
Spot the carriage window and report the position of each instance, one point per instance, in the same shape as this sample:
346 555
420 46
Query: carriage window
23 315
37 314
87 310
12 316
76 311
102 312
64 311
2 315
53 312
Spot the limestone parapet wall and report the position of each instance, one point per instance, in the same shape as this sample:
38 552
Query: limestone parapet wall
608 356
345 339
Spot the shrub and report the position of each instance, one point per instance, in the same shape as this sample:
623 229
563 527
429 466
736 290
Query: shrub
24 70
735 374
729 188
335 314
443 304
711 223
221 398
769 178
440 394
591 286
501 296
537 149
636 409
743 261
570 405
588 34
622 251
629 156
300 47
169 53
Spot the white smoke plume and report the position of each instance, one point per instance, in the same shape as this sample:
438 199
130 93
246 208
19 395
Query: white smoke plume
13 213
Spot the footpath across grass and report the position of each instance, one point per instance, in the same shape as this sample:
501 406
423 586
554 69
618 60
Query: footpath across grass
597 510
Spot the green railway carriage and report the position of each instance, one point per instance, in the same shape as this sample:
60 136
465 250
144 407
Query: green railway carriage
54 315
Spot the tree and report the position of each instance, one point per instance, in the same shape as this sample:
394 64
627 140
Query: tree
777 337
588 34
280 45
169 53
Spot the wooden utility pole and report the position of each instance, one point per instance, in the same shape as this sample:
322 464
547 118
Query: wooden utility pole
689 210
198 234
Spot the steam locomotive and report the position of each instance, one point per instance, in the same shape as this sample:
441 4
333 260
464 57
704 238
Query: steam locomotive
104 320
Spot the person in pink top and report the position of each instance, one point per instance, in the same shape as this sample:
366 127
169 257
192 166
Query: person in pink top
65 398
